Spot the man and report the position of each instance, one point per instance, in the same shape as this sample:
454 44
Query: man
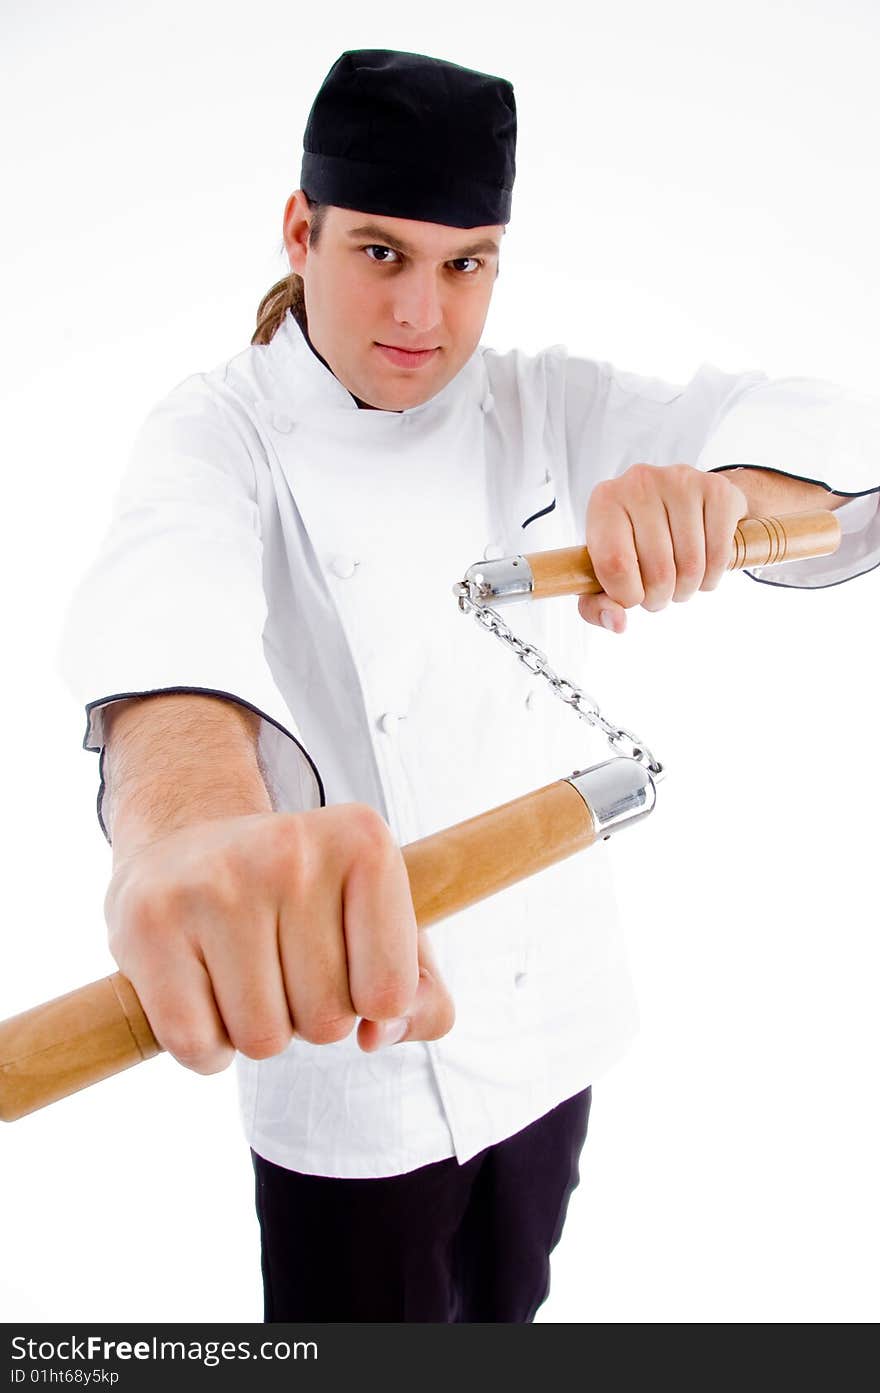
283 694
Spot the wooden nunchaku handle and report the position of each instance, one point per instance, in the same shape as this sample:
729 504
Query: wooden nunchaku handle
99 1030
757 542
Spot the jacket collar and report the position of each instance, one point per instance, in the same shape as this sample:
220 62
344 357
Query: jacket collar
304 379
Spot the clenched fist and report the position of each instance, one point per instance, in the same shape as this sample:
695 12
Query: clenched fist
240 931
655 534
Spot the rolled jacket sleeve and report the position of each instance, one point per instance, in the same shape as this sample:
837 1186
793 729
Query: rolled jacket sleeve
823 434
807 428
174 600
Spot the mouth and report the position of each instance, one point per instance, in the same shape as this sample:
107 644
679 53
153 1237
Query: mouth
405 357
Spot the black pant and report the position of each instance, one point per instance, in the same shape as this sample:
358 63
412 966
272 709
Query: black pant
443 1243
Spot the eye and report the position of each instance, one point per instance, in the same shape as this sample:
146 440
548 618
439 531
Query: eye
383 260
460 262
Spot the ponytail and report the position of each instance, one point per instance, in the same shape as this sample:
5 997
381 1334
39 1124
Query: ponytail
288 293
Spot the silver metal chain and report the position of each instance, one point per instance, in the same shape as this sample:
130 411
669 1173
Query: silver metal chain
622 741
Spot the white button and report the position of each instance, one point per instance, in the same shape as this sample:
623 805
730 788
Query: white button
343 566
389 721
282 422
487 403
493 552
547 476
520 979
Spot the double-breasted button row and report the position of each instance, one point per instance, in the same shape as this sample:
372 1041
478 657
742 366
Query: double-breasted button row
344 567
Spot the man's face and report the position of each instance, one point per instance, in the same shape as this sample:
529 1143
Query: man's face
375 284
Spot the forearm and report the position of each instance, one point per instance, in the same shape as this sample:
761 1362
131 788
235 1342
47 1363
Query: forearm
175 759
770 493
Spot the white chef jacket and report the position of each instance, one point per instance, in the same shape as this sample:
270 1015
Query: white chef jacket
272 543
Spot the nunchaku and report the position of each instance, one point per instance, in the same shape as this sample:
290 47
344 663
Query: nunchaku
89 1034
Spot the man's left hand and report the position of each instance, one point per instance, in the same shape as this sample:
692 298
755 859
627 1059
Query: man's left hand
655 534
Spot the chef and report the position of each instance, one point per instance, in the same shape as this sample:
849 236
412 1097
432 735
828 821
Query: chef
278 570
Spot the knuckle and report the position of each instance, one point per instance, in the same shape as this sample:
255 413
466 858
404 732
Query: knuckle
325 1029
690 567
656 600
370 826
721 482
216 1063
602 491
659 583
681 474
387 996
261 1044
616 565
640 478
728 492
368 835
200 1053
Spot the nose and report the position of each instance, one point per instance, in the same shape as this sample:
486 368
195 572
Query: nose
417 300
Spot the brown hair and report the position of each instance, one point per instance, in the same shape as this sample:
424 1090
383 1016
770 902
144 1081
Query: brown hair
287 294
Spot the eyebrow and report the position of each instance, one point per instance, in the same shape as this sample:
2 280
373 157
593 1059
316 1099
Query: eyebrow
386 238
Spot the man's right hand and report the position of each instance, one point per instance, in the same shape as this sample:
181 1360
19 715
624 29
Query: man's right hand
238 932
239 926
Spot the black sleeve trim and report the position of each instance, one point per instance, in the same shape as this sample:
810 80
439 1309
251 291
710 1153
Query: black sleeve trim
783 585
548 509
839 493
184 691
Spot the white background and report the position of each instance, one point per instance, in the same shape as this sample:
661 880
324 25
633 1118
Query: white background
695 182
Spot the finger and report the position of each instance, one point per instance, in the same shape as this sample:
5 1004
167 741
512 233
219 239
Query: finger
243 961
611 544
653 544
311 937
603 611
179 1003
684 509
381 934
432 1016
722 509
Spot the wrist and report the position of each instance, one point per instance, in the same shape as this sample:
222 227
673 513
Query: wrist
138 817
770 492
170 762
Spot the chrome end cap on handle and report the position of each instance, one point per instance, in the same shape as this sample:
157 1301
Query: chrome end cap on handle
494 582
619 792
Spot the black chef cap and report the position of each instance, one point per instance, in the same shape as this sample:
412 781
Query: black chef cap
412 137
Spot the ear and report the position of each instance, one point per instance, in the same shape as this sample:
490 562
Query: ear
296 231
